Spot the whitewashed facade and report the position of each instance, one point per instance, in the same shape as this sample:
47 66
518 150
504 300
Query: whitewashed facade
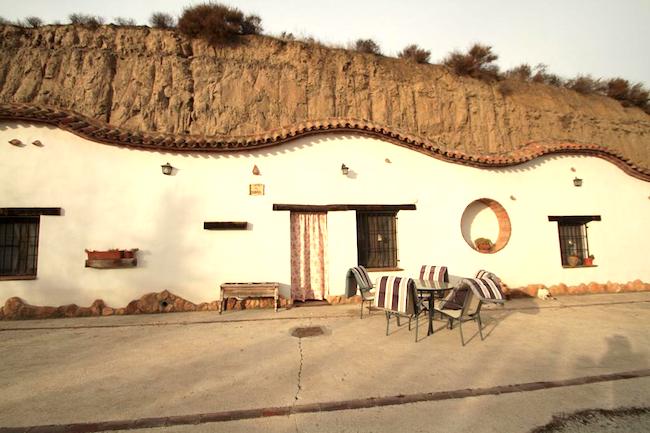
116 197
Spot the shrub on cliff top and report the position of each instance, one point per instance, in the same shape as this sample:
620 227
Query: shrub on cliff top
414 53
584 84
367 46
621 90
217 23
522 72
544 77
476 63
91 21
162 20
34 22
120 21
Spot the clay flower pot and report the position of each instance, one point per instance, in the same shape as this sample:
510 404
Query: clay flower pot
483 245
573 261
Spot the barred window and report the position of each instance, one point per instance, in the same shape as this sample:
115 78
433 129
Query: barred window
377 239
574 240
18 246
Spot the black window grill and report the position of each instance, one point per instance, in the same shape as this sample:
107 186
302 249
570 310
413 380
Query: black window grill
573 241
572 231
18 246
377 239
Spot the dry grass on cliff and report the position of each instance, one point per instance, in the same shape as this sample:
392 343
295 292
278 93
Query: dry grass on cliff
628 94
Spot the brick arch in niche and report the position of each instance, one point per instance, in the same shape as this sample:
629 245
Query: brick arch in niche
498 227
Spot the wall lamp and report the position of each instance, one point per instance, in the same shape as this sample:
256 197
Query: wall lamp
345 169
577 181
167 169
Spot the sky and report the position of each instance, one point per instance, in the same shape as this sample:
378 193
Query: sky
604 38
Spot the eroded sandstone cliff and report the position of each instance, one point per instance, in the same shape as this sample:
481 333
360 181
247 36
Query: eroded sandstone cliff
158 81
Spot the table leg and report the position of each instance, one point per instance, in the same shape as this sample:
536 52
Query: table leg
430 315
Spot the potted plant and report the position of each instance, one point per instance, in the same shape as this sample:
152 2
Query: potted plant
129 254
113 254
589 261
484 245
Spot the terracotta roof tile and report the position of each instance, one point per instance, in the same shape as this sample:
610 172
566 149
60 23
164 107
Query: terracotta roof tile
98 131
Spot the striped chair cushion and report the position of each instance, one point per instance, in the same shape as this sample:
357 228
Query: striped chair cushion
485 288
486 274
434 273
393 294
361 276
357 277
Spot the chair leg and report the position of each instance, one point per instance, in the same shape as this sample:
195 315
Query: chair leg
417 325
387 321
369 308
409 323
397 316
460 326
480 326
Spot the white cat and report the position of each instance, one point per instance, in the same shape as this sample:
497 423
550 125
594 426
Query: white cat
544 294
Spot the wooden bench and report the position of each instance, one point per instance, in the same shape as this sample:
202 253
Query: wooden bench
249 290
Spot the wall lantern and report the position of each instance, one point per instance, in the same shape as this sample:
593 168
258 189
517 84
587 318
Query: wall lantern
577 181
345 169
167 169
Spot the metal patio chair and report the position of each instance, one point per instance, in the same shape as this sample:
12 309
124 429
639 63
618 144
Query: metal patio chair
358 278
398 297
463 303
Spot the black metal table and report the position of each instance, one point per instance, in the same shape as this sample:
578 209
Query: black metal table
432 288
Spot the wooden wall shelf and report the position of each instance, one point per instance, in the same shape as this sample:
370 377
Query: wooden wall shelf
112 264
225 225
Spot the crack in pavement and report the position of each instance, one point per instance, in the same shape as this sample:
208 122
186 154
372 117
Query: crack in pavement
302 358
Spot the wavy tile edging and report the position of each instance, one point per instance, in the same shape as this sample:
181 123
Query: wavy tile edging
104 133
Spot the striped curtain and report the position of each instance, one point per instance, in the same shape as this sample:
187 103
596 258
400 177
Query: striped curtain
309 256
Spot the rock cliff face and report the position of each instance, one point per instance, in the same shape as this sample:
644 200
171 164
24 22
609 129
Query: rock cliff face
160 82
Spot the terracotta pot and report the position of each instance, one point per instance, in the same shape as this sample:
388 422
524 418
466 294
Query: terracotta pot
573 261
587 261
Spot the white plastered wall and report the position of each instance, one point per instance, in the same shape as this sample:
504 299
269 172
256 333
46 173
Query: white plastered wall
113 197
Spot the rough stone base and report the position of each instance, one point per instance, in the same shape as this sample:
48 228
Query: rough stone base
151 303
338 300
581 289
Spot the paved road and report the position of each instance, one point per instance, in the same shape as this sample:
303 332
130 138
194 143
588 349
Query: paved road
193 372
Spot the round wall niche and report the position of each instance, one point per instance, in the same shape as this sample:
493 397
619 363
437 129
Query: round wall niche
486 218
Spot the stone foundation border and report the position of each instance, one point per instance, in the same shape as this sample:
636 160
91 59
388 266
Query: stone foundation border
152 303
580 289
166 302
